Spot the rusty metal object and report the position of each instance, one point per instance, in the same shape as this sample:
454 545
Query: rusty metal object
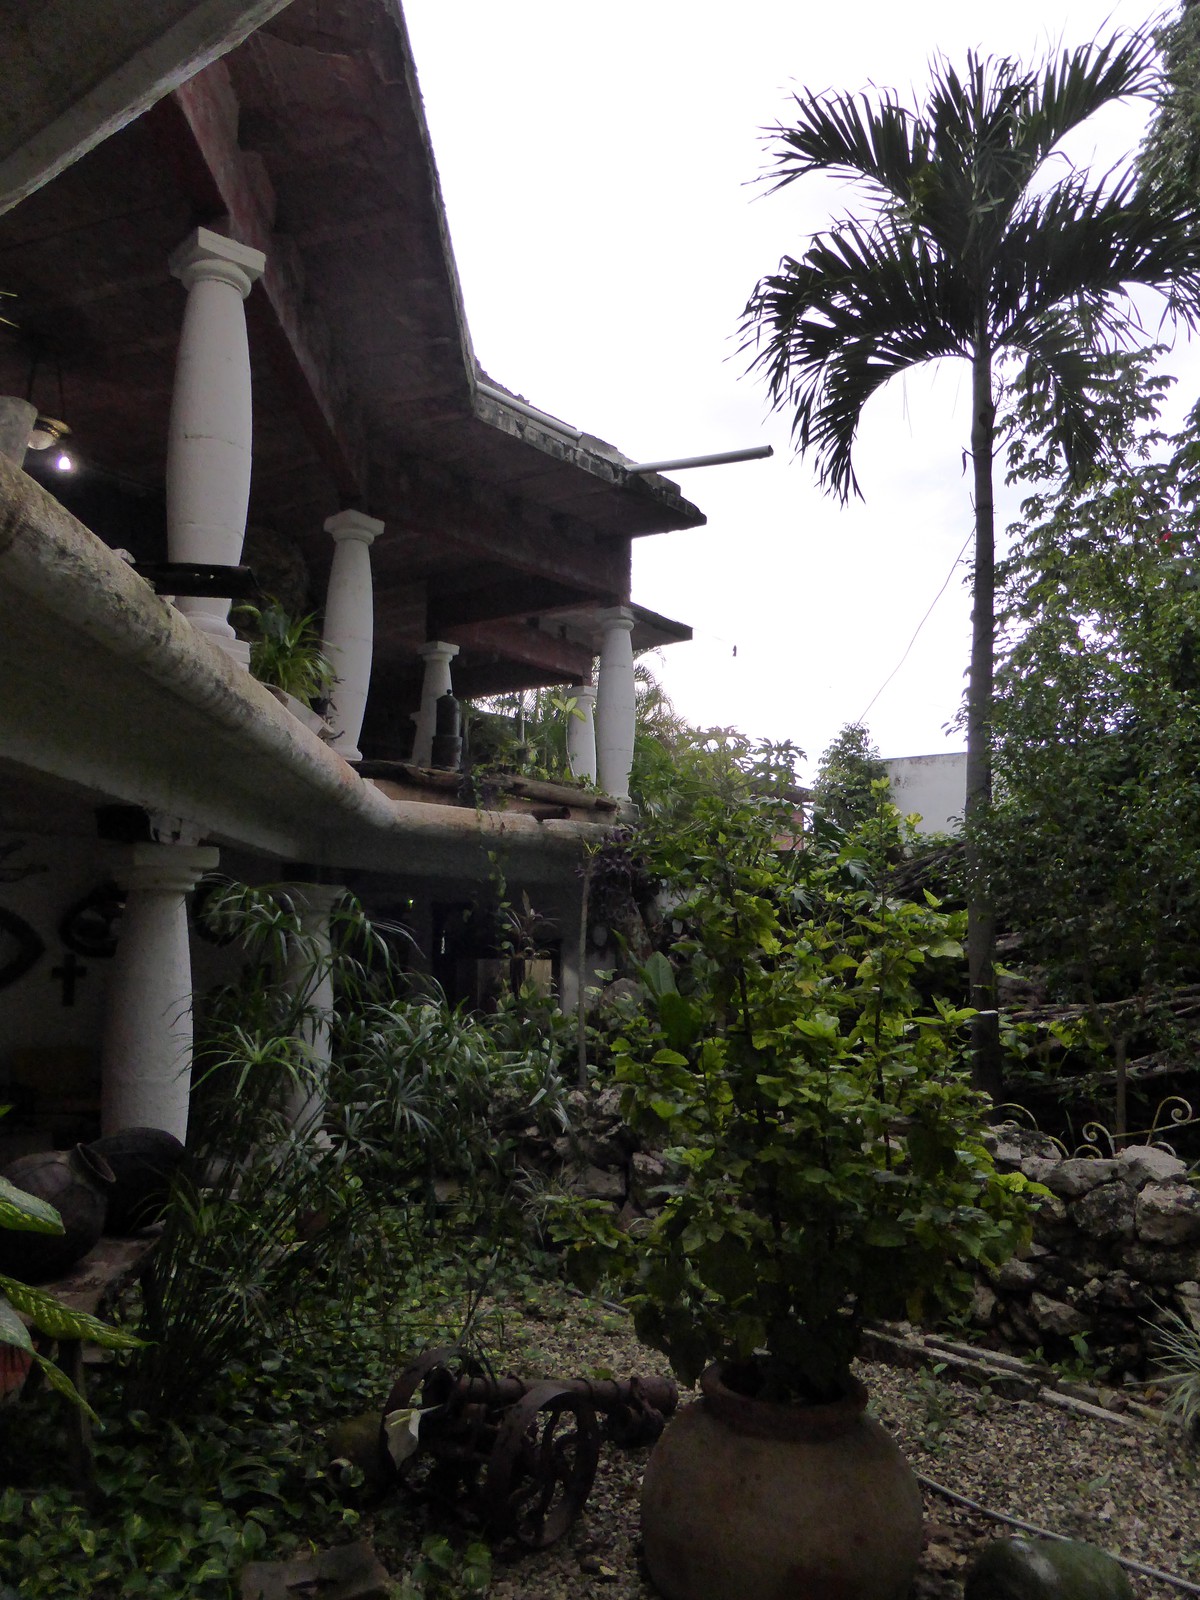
520 1457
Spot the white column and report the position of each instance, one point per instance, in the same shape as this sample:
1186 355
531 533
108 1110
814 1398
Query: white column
615 703
147 1042
581 733
437 655
209 440
311 979
350 625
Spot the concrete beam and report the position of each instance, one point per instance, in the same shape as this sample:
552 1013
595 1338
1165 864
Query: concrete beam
74 71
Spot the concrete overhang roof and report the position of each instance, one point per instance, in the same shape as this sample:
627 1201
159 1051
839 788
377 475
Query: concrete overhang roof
309 141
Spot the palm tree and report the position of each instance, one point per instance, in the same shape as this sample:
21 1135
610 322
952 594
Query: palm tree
969 247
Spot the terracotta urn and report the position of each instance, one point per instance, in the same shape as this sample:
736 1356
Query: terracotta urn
746 1497
76 1183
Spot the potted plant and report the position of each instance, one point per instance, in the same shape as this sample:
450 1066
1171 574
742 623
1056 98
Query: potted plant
287 657
829 1169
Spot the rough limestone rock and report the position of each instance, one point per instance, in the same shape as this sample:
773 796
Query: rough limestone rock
1156 1264
1188 1296
1045 1569
594 1183
1145 1163
348 1572
1016 1274
1055 1316
1079 1176
1168 1213
1105 1213
647 1173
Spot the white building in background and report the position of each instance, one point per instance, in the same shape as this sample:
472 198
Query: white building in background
934 788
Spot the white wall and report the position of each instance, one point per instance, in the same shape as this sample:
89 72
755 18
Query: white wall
933 787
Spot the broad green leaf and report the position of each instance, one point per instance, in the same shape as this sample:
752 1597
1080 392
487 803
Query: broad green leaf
658 976
58 1381
26 1213
51 1317
12 1330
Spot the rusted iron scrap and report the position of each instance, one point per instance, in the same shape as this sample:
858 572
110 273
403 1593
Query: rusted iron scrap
517 1457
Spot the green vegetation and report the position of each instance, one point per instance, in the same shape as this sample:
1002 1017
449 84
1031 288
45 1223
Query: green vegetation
1092 844
826 1144
848 768
286 652
977 240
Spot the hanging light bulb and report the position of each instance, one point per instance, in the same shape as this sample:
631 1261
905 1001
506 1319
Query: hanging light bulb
64 462
46 431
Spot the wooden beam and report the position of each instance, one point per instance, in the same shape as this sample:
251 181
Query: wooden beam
198 127
72 75
443 520
525 647
497 602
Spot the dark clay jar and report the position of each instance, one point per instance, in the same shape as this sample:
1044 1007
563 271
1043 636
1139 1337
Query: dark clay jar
143 1162
76 1183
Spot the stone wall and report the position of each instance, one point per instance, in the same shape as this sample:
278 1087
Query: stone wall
1115 1241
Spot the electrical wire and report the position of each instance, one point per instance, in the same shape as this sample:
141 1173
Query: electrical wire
1045 1533
954 567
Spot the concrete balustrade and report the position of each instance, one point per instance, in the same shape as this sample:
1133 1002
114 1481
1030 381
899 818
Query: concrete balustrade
146 1056
616 703
311 978
581 733
211 430
437 655
350 625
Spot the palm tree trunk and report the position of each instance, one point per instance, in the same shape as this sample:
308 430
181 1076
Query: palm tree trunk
986 1068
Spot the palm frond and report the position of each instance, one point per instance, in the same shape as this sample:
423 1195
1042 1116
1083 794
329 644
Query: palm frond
1064 373
884 145
1072 87
1075 241
830 329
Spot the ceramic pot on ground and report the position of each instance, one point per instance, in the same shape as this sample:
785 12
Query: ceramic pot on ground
143 1162
76 1183
746 1497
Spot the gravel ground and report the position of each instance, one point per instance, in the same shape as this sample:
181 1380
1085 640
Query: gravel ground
1137 1493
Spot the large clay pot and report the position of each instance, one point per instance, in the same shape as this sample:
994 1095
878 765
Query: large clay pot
76 1183
748 1498
143 1162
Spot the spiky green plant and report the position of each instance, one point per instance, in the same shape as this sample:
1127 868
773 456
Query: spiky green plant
287 652
1177 1347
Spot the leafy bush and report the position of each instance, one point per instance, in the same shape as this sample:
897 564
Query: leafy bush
829 1140
269 1207
287 652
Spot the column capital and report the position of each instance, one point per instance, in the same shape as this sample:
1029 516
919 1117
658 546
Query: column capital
613 617
584 693
168 868
437 650
353 525
205 254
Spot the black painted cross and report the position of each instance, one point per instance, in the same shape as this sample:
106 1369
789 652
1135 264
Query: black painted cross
69 973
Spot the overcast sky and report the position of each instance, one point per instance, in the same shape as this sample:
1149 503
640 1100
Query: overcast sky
597 163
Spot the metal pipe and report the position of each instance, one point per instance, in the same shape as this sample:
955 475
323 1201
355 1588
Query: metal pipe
543 417
755 453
